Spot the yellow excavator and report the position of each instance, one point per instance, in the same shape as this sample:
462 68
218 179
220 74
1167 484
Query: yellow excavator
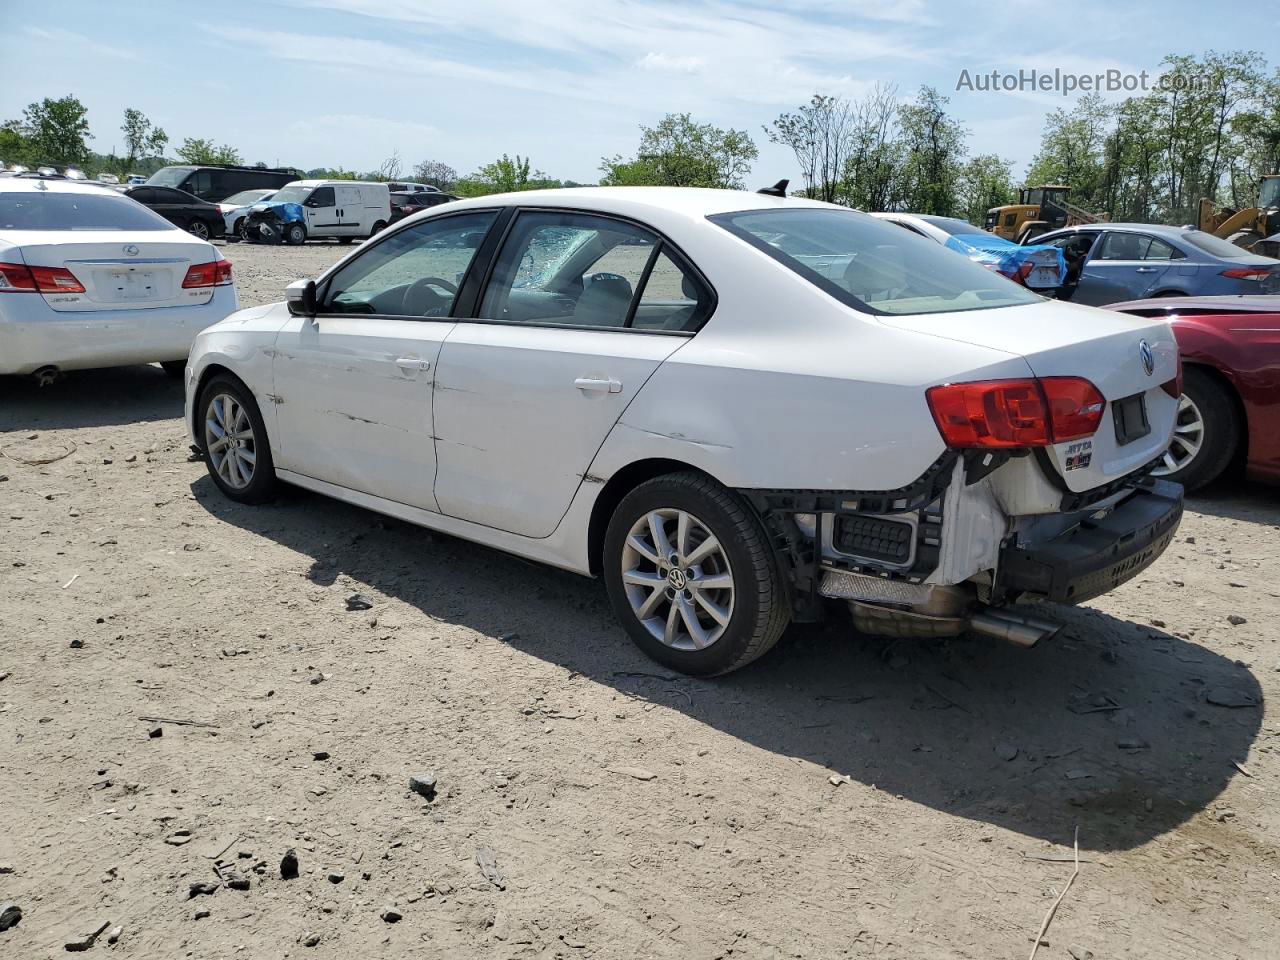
1257 229
1038 210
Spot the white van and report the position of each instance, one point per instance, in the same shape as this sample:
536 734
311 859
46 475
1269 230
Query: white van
339 208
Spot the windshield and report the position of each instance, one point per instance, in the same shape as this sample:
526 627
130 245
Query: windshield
1269 196
293 193
38 210
873 265
1215 245
247 196
170 176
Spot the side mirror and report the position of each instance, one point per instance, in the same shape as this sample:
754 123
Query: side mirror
301 298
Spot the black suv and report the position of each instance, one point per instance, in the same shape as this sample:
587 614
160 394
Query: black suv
406 204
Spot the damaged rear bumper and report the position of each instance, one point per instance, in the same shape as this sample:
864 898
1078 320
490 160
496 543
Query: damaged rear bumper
1098 554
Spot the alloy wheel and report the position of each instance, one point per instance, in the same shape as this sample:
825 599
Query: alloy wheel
199 228
1188 438
677 579
229 441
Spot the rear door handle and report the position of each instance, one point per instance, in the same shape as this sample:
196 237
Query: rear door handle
1146 270
598 385
412 364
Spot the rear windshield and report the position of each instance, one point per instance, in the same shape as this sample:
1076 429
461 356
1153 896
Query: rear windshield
1215 245
169 176
873 265
957 228
38 210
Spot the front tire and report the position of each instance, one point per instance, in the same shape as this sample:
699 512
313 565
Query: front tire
233 436
691 576
295 235
1206 435
377 228
198 228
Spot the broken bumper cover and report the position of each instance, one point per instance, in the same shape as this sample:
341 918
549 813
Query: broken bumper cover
1097 555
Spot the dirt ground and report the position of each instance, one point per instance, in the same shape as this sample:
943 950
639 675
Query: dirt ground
631 813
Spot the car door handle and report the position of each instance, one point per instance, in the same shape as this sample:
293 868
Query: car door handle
412 364
1146 270
598 385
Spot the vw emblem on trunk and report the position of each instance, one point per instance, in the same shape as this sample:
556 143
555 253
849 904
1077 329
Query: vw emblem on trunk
1148 358
130 250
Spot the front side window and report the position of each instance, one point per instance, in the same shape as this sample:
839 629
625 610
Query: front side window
412 273
47 210
583 270
872 265
321 197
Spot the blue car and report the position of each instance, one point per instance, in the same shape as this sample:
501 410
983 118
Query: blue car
1113 262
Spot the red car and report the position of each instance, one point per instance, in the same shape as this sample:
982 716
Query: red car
1230 410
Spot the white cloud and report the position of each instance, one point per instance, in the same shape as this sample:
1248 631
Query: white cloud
667 63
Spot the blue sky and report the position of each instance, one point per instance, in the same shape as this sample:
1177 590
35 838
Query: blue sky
346 82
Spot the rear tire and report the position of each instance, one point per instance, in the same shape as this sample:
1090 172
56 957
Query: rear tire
701 593
198 228
378 228
1207 434
345 240
234 439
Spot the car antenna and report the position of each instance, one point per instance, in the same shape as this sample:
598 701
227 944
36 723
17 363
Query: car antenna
779 189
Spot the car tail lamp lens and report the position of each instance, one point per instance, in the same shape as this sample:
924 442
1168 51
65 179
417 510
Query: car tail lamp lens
1007 414
1174 387
20 278
1075 407
56 280
1248 273
16 278
216 273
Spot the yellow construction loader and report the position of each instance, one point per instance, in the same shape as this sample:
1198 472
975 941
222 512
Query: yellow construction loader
1038 210
1257 229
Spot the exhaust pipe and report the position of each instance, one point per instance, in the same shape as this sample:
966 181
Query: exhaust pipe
1017 628
46 376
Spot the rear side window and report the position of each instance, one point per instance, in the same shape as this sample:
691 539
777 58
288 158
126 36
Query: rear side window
872 265
576 269
41 210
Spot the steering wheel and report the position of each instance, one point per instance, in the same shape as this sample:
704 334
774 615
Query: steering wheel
420 299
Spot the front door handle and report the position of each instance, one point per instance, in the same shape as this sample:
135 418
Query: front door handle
598 385
412 364
1146 270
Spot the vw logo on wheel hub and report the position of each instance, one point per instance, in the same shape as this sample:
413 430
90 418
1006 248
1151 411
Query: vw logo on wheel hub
677 578
1148 358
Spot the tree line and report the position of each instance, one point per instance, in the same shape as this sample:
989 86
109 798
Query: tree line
1212 131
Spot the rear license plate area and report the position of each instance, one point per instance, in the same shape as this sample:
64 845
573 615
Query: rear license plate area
1041 277
1130 416
133 285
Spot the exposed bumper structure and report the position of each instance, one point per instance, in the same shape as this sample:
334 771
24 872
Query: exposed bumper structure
1097 555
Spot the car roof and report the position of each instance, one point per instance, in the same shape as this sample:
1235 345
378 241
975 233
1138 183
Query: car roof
1158 229
691 202
328 183
59 185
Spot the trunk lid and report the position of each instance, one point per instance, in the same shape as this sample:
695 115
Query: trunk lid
1068 340
119 270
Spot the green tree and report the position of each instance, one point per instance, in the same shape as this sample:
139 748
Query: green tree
15 143
822 134
986 181
681 153
933 145
201 151
141 139
437 174
504 175
58 131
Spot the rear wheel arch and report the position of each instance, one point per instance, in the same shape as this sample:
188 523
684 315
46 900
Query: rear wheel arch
618 486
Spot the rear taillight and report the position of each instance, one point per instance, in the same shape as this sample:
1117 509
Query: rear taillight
16 278
1257 274
56 280
216 273
1174 387
995 414
19 278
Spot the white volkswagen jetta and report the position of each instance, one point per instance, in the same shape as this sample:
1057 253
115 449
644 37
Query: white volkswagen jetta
729 406
90 278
